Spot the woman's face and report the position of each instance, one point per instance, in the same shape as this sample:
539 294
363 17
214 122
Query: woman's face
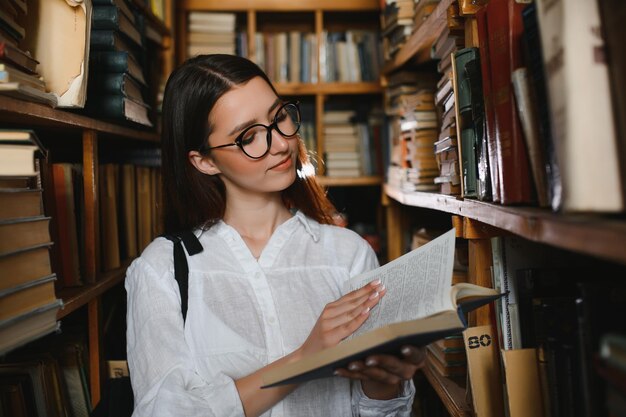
242 106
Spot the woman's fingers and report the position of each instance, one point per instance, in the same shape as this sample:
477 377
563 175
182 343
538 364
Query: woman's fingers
366 296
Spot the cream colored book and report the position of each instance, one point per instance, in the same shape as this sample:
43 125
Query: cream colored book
421 306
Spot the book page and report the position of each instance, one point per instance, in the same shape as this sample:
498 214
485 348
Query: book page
418 284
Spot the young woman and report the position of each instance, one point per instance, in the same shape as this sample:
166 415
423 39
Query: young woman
266 289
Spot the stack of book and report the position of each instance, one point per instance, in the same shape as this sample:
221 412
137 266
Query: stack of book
397 25
212 33
28 305
18 69
342 147
447 357
423 9
446 147
117 77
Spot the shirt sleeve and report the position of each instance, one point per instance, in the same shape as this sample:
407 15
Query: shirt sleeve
160 362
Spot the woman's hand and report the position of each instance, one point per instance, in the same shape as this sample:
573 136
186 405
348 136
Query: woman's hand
342 317
381 375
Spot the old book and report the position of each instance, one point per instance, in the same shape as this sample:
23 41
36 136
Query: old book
117 84
403 316
118 107
485 70
55 23
613 13
112 18
534 62
18 149
580 106
483 368
26 296
20 202
16 234
24 265
15 56
443 368
117 62
17 331
128 218
523 385
109 196
504 26
527 112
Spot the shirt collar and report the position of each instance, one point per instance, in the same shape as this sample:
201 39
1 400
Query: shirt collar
311 226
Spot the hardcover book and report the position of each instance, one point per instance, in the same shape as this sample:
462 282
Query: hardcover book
407 315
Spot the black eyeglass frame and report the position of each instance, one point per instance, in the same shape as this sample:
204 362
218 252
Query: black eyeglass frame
274 125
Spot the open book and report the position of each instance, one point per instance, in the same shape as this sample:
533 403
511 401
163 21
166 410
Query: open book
420 306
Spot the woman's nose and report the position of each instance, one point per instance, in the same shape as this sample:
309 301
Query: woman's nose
279 142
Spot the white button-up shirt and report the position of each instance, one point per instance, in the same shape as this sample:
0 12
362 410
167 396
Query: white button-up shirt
243 314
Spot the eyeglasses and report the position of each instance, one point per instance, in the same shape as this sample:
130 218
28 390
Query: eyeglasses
255 141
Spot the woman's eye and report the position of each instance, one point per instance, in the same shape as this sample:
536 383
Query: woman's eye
281 116
248 139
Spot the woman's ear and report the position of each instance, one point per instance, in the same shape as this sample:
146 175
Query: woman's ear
202 163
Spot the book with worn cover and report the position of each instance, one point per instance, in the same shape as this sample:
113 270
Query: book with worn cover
420 307
111 17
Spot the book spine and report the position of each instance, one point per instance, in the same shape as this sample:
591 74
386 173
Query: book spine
105 17
504 28
111 83
109 61
490 127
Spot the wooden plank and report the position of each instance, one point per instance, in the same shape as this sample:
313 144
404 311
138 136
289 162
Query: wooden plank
35 115
93 312
349 182
251 33
480 262
280 5
91 218
594 235
319 128
328 88
417 47
76 297
451 393
395 247
474 229
181 36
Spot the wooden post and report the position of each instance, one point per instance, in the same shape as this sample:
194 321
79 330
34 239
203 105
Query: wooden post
93 312
92 218
395 238
480 262
251 35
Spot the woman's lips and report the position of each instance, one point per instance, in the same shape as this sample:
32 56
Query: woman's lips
283 166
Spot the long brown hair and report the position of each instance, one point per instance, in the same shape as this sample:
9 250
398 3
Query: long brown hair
193 199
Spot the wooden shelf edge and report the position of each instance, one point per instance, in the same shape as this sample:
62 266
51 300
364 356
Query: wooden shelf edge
588 234
329 88
280 6
418 44
348 181
76 297
35 114
451 394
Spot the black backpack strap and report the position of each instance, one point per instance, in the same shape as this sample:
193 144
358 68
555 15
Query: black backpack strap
181 268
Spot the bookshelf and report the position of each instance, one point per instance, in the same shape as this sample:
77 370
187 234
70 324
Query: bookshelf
86 136
600 238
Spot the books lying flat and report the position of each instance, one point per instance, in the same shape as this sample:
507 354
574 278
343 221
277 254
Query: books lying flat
18 234
120 108
118 62
24 265
20 202
32 325
420 307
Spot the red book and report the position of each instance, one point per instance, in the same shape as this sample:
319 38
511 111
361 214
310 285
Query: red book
504 27
481 20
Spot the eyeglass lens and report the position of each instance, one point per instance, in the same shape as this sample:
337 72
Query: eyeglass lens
255 139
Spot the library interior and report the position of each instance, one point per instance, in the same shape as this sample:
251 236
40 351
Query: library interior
504 120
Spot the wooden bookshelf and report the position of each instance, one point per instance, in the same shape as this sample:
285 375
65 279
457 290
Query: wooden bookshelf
349 181
20 112
310 89
279 5
600 236
417 47
76 297
451 393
